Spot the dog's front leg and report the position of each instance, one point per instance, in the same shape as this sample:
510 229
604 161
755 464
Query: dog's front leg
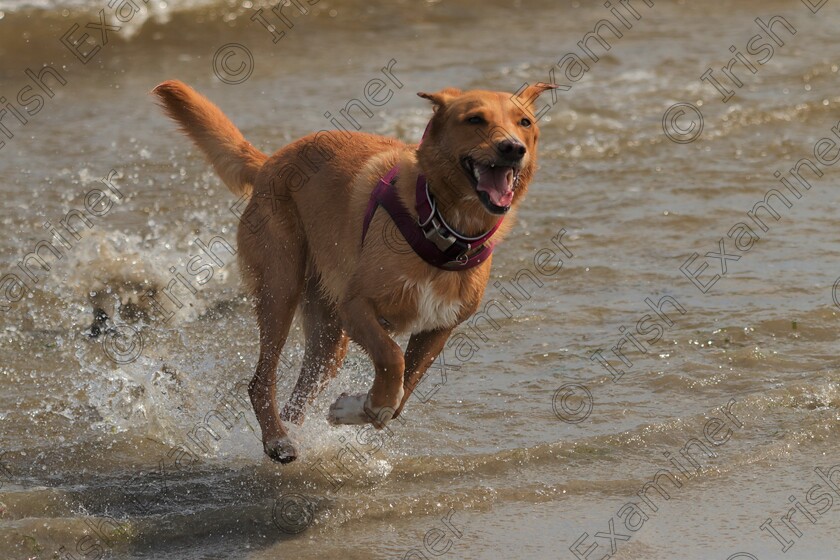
423 349
379 405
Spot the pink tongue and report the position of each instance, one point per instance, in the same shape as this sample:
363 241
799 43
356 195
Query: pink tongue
497 182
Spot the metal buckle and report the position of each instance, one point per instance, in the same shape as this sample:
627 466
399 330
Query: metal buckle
437 234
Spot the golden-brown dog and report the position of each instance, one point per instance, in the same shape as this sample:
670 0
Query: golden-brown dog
311 200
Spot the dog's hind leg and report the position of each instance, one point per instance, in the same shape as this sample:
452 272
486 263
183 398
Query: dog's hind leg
273 263
326 347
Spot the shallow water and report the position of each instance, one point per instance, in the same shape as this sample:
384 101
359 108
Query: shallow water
105 445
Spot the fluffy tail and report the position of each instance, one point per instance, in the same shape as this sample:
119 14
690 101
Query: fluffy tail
234 158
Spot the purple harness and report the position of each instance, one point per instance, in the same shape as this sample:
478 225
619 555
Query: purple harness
429 235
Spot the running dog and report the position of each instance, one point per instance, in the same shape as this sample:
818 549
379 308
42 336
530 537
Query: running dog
315 235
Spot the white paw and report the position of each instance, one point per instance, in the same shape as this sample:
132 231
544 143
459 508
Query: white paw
357 409
349 409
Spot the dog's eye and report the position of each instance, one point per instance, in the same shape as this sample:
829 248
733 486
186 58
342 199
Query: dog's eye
475 119
526 122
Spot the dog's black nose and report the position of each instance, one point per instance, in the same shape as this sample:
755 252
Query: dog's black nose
511 149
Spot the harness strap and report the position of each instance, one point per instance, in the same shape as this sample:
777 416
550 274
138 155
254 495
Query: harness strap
429 235
382 186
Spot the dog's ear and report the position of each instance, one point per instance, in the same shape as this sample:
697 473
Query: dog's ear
441 98
533 91
527 95
524 98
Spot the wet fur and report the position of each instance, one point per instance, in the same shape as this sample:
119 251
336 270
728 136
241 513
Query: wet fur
307 251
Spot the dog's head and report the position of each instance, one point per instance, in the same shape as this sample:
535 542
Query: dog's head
481 147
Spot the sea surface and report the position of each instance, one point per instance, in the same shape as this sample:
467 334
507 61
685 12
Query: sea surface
546 431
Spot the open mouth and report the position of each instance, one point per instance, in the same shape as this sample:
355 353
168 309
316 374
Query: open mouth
493 182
